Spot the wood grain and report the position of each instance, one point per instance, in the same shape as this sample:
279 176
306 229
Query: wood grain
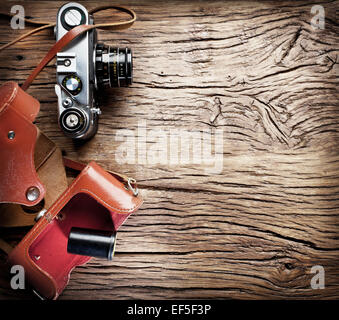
259 72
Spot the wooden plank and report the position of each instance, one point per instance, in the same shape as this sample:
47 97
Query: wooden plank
261 74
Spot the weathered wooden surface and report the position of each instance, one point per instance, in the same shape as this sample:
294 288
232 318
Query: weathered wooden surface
263 75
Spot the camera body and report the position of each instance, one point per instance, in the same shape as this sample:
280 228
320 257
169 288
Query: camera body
84 68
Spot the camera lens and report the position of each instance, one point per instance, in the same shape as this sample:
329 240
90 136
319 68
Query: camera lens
113 66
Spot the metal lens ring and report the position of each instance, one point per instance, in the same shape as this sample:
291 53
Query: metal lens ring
72 120
114 66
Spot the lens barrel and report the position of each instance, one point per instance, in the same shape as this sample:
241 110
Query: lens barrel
113 66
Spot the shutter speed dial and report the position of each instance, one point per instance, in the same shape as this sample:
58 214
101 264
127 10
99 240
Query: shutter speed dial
72 84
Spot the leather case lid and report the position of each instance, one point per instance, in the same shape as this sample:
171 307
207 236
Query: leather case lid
95 200
51 171
17 169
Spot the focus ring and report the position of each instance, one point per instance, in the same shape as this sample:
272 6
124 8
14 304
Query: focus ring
113 66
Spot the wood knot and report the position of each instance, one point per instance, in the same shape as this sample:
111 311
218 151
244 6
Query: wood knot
289 266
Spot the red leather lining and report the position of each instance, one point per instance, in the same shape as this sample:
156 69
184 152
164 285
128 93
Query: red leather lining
49 250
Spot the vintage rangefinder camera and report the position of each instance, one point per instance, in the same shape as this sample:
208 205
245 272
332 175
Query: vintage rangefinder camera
84 68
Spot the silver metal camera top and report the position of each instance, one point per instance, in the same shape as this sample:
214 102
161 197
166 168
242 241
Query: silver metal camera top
75 73
85 66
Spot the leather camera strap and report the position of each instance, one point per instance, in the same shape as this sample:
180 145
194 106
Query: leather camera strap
69 36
